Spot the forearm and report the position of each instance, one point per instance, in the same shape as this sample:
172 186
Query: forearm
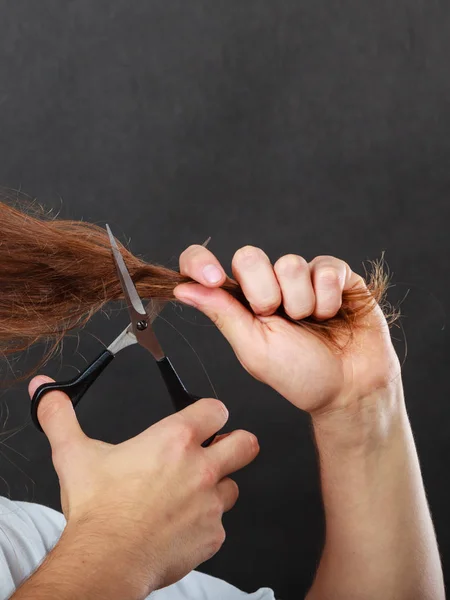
380 541
84 565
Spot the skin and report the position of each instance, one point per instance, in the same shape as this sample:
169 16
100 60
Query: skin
380 541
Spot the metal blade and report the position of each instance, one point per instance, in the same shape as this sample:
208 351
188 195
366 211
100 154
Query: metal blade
126 337
123 340
128 287
152 310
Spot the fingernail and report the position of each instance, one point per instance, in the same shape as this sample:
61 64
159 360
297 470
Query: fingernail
212 274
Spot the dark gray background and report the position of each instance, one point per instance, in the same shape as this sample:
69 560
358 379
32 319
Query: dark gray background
300 126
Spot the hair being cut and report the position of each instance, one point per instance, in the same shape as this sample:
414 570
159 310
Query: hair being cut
55 274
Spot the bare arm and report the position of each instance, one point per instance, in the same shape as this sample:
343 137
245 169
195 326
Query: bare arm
380 541
85 565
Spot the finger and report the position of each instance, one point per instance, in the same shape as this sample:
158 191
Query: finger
233 452
56 415
200 420
228 492
294 278
220 437
200 264
233 320
329 276
254 272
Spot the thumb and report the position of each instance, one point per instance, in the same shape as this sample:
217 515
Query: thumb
56 415
234 321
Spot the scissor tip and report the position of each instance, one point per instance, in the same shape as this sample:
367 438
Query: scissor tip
112 239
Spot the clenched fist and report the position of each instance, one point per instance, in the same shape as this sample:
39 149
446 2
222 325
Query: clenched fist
295 362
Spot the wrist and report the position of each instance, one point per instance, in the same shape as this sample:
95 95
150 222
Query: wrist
379 532
362 424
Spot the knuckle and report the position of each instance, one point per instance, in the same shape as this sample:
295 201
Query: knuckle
49 406
328 277
324 258
190 255
247 444
208 475
329 307
233 485
216 544
217 540
290 265
216 507
220 319
247 255
214 405
360 282
266 308
182 433
234 490
300 311
221 536
327 312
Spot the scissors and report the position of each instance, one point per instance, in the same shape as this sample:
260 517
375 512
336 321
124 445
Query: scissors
139 331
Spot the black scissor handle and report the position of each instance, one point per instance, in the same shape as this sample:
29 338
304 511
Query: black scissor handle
181 398
75 388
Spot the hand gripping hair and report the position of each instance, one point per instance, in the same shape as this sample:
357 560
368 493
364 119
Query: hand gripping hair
55 274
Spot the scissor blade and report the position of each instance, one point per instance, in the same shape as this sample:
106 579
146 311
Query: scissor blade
152 310
127 337
123 340
125 279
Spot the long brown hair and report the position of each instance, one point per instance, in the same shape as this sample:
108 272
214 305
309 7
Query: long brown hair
55 274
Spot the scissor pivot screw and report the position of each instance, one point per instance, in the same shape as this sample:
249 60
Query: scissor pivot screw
141 325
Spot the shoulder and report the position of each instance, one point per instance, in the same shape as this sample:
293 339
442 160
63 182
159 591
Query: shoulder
33 525
200 585
27 533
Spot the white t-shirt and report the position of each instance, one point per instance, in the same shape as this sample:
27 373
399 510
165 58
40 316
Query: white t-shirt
29 531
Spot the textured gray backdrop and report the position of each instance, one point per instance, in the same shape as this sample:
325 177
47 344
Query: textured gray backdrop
302 126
